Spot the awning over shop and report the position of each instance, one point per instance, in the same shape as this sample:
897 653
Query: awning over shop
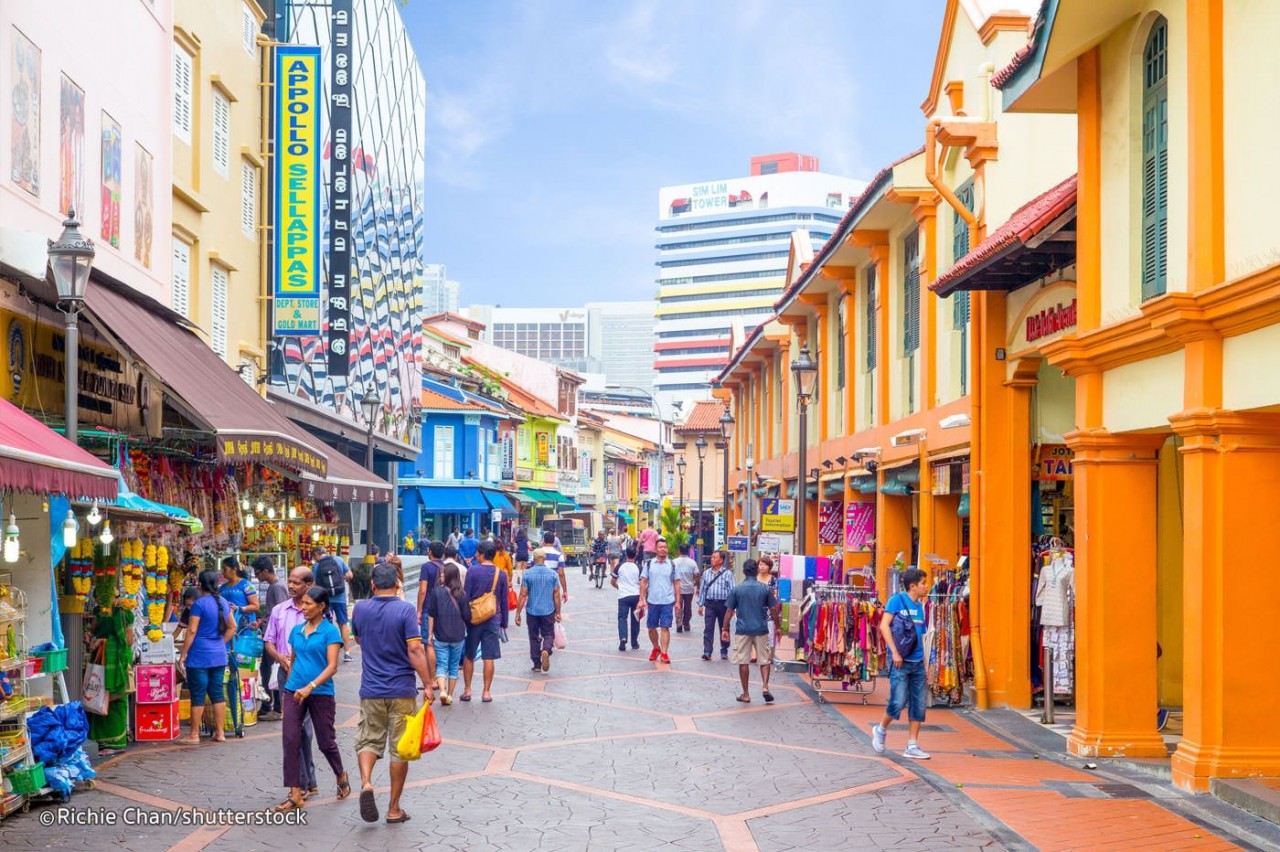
201 385
498 500
452 498
35 458
346 481
548 497
128 506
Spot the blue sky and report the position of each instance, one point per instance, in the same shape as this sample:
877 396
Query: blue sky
551 124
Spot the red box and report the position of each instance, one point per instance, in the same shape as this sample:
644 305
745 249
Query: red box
156 722
156 684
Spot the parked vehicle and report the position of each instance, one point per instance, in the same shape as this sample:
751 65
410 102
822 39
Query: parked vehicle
572 533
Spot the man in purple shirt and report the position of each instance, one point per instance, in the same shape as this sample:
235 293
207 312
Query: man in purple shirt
484 578
284 617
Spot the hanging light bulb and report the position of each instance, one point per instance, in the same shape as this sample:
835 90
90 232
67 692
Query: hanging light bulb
293 511
69 529
94 517
249 521
11 545
106 537
244 504
271 513
258 508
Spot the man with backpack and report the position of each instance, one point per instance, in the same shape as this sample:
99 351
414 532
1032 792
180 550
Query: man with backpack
486 589
430 576
902 626
332 575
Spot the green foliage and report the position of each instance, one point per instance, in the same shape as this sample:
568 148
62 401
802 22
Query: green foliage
674 528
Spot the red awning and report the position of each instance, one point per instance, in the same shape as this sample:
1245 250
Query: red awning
202 386
35 458
347 482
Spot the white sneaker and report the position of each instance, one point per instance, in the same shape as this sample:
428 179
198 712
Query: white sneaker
915 752
877 738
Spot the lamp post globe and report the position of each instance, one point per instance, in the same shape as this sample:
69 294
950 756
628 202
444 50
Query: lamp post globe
71 259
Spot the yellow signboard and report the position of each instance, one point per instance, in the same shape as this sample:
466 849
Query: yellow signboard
296 260
778 515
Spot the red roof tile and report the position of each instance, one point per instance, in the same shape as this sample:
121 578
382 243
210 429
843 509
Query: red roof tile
433 401
1006 73
1027 221
705 417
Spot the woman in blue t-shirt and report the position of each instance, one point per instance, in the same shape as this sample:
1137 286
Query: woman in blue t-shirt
204 656
239 592
308 692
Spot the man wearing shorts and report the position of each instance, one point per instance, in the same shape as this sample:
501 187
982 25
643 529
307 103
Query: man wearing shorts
387 629
660 597
752 602
484 578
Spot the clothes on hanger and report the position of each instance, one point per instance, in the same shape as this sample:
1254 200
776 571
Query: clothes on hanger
841 628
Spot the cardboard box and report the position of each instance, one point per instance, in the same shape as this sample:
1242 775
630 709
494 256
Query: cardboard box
156 722
157 684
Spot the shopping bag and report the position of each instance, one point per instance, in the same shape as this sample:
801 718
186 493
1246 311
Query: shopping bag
431 738
512 599
409 747
559 640
93 695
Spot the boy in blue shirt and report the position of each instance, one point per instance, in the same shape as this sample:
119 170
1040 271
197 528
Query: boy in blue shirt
907 687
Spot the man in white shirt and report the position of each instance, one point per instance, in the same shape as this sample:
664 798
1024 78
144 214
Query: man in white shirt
626 579
687 571
555 561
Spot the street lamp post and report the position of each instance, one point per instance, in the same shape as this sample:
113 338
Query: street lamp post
749 498
681 464
71 258
726 432
806 374
701 445
369 404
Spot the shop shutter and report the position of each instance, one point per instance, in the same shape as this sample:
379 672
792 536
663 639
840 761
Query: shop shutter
871 318
248 30
180 296
248 198
182 94
1155 162
218 324
911 293
221 133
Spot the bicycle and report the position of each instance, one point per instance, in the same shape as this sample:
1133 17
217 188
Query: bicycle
597 573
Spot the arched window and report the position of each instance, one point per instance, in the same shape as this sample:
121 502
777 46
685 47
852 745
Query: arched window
1155 160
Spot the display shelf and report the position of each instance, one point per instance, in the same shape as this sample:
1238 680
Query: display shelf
14 756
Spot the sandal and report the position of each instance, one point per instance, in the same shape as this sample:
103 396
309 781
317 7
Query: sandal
191 740
310 791
768 697
289 804
368 805
745 699
344 786
466 696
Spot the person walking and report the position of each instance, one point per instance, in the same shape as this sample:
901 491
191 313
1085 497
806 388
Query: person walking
767 574
264 568
308 694
540 591
467 548
907 688
448 612
687 571
502 558
484 579
713 600
555 561
649 542
204 657
332 574
391 654
613 549
522 553
752 602
599 555
430 575
281 620
626 579
660 597
454 539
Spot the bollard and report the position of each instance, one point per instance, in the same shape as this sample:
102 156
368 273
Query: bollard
1047 718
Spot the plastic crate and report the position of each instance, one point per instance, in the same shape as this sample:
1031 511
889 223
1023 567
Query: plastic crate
54 661
27 780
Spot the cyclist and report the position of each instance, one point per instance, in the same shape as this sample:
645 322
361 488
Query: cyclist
599 547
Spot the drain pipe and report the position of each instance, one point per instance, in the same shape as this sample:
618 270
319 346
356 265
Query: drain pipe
931 160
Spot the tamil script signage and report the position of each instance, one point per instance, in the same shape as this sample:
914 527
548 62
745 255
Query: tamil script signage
339 306
267 449
296 252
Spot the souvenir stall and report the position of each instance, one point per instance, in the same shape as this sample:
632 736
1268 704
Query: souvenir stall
949 661
1053 620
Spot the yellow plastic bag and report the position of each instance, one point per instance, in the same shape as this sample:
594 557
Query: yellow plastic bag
410 745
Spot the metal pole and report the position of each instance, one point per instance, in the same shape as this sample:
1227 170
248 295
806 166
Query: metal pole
368 462
681 473
1047 718
801 485
71 359
724 509
701 465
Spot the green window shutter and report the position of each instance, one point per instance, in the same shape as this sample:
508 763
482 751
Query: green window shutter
1155 162
911 293
959 248
871 318
840 353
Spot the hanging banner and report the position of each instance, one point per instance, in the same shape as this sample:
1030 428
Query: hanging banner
829 521
644 480
338 309
859 526
296 253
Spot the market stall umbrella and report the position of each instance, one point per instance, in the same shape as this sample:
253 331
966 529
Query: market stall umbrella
35 458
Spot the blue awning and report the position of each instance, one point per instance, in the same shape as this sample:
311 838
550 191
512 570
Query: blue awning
452 498
498 500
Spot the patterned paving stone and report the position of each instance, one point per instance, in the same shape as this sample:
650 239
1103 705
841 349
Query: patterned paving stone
904 816
23 831
533 719
702 772
667 691
798 725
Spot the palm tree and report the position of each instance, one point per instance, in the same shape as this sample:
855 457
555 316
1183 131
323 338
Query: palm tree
673 528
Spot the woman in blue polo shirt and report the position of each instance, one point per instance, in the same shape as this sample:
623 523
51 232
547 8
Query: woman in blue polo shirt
308 692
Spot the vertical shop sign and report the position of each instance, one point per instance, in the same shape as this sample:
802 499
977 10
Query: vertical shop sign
296 254
829 521
644 480
340 190
859 526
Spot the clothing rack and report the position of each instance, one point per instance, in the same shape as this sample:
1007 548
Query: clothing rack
839 630
948 660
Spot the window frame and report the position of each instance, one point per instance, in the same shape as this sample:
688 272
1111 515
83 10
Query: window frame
221 148
183 92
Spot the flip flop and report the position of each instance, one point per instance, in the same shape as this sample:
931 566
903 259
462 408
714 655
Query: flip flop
404 817
487 699
768 697
368 805
466 696
745 699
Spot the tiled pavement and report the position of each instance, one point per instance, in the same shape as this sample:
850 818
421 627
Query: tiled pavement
609 751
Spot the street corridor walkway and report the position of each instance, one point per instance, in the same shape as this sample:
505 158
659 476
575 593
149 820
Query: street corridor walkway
609 751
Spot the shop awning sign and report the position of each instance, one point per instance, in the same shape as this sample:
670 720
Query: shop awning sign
267 449
296 257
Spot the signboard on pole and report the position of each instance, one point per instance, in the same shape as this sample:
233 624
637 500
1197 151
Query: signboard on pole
739 543
719 534
778 515
774 543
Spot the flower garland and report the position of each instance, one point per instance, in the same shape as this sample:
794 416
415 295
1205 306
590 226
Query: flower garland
131 562
157 565
82 569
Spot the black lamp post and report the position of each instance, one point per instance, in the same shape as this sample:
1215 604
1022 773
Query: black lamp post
71 258
805 372
701 446
369 403
726 432
681 464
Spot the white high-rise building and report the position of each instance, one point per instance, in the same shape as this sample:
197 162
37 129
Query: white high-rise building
722 260
439 294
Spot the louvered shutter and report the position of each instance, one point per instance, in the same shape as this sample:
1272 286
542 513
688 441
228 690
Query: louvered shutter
959 248
218 325
221 133
871 318
911 293
180 297
248 198
840 353
248 29
1155 162
182 97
